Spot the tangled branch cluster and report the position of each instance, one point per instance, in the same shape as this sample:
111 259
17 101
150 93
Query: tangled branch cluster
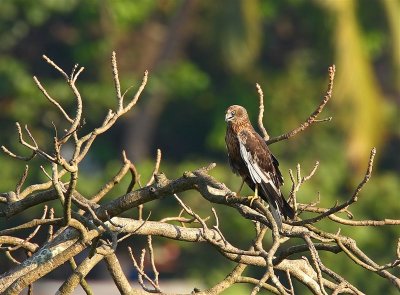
86 226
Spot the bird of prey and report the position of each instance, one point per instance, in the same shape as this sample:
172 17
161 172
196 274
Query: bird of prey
250 158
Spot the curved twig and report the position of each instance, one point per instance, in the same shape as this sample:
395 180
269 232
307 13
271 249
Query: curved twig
313 117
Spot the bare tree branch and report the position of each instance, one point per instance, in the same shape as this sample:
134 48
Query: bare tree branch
53 101
261 113
344 205
313 117
92 224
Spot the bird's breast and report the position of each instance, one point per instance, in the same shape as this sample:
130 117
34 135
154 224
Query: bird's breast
235 160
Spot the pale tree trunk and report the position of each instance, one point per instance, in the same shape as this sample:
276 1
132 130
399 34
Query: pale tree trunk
363 107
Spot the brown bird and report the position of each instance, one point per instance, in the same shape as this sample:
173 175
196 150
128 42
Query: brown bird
250 158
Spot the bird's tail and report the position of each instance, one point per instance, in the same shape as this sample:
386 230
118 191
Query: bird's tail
278 205
284 210
288 211
277 215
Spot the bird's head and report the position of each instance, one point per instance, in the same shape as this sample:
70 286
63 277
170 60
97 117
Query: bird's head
235 114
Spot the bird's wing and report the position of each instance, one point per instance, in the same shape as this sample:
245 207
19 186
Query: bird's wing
233 150
278 172
261 169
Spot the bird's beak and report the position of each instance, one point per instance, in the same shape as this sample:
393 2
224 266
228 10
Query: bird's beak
228 117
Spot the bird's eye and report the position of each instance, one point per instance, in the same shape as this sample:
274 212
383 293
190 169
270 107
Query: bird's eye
233 113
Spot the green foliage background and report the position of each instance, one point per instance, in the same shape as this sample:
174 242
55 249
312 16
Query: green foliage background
203 57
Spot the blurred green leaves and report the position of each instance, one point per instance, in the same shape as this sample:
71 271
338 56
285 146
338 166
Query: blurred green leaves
180 81
284 46
127 13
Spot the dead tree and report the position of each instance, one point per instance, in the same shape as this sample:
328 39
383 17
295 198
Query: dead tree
85 227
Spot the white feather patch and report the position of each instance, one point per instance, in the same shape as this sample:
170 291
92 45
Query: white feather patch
256 173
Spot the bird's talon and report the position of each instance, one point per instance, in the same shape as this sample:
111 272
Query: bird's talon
252 199
230 195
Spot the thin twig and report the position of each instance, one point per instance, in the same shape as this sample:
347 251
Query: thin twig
45 172
290 282
21 181
350 201
49 61
261 113
317 262
32 234
114 181
53 101
12 155
116 81
156 167
51 229
313 117
152 260
141 272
